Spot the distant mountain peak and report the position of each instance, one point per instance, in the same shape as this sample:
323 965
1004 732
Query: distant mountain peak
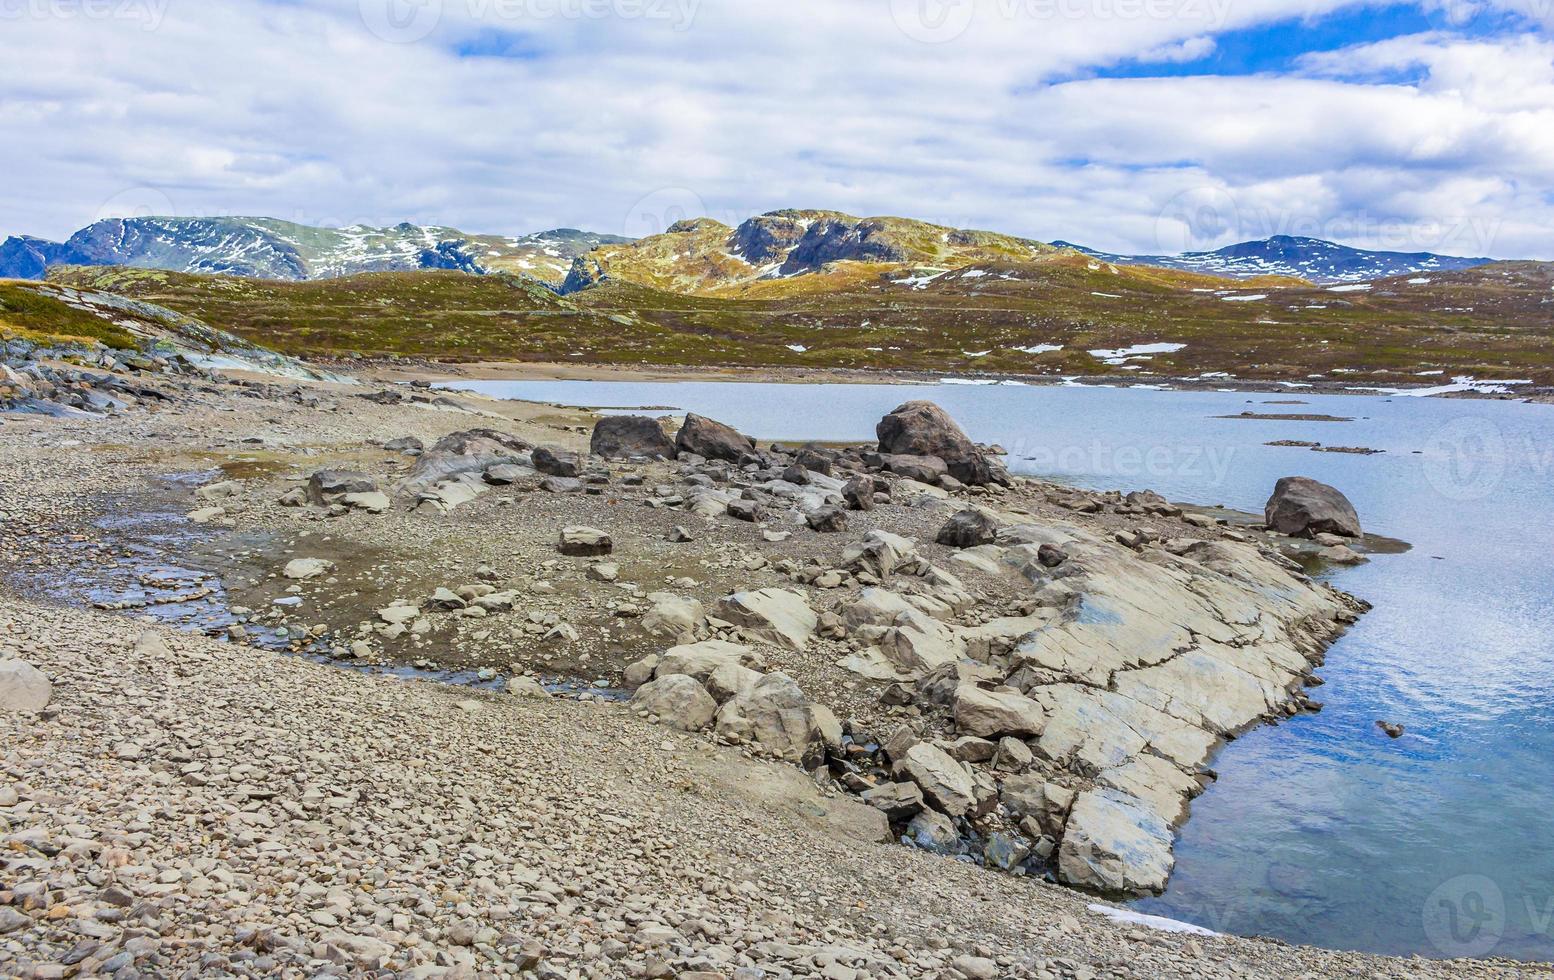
1314 259
271 248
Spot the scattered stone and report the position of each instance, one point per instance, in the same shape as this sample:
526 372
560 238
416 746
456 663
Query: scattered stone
623 436
23 687
581 541
302 569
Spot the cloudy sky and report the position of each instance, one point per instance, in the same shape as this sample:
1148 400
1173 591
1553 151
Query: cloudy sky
1129 125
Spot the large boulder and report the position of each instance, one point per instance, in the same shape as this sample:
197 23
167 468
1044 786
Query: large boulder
711 439
921 428
581 541
701 660
326 486
672 615
988 714
23 688
968 529
1115 843
775 717
619 436
945 783
778 616
1303 507
678 701
559 462
469 451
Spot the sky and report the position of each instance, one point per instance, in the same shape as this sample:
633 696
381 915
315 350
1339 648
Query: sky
1142 126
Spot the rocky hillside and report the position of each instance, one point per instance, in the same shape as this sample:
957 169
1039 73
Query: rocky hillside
1312 259
1061 315
763 255
271 249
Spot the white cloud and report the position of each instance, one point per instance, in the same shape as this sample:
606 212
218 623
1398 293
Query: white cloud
657 109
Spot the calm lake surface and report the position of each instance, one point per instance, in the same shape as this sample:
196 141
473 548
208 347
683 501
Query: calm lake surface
1320 830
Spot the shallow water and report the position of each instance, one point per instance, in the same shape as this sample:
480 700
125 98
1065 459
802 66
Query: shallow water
1321 830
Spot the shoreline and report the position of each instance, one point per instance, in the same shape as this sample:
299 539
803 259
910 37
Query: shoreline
627 373
302 438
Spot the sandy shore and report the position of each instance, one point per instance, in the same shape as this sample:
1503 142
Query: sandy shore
190 805
546 371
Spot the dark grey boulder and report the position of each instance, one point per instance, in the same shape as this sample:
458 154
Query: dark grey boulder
325 485
619 436
859 493
1303 507
921 428
968 529
923 469
827 520
713 440
553 462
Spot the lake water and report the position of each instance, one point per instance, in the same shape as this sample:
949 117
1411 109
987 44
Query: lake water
1321 830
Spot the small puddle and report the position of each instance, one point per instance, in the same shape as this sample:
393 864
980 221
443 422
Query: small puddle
146 560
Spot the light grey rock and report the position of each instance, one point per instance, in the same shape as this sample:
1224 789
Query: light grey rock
584 542
989 714
945 783
678 701
776 717
302 569
23 687
1115 843
777 616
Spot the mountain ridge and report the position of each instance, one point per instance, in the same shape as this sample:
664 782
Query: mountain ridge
1313 259
270 248
767 254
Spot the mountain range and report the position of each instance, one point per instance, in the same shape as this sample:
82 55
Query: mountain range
267 248
774 253
1313 259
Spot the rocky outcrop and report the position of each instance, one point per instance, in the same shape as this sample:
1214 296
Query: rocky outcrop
468 451
624 436
1302 507
1115 844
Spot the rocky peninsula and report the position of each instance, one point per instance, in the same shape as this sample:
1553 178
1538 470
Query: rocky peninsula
314 677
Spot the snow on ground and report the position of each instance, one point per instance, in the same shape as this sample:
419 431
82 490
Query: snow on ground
1038 348
1128 917
1420 281
1354 287
1458 384
797 348
1122 354
1253 297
